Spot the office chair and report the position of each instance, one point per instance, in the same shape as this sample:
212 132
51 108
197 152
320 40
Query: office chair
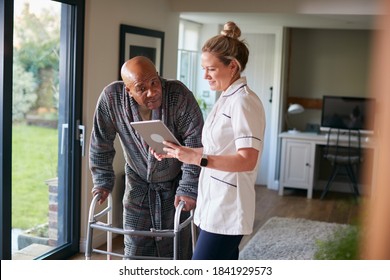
344 153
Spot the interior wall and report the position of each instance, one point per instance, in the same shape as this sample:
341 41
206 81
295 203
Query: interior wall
327 62
101 67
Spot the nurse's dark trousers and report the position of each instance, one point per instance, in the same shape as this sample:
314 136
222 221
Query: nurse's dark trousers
212 246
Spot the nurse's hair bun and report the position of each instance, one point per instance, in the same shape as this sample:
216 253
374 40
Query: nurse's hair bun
230 29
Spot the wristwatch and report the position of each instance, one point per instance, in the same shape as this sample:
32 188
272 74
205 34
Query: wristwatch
204 161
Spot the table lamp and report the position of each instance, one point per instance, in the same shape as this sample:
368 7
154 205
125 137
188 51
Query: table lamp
293 109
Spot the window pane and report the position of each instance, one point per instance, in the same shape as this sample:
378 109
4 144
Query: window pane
35 133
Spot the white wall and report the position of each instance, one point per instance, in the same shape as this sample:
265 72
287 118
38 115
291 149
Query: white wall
101 66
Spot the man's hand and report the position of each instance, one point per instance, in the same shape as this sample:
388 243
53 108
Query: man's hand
103 195
190 203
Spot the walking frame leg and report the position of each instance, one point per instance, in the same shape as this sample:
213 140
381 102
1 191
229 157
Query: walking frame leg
194 233
92 219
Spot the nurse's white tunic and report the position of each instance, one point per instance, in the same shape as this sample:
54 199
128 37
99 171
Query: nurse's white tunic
226 200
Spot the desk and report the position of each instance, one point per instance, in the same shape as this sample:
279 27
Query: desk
299 159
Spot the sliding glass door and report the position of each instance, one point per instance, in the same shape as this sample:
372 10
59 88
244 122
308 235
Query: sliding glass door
43 136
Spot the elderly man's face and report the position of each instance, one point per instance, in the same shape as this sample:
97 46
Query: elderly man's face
146 89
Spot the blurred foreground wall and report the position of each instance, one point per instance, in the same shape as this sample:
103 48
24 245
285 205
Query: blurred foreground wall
376 239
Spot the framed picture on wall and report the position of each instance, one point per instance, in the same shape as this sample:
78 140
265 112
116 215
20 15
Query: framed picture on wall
135 41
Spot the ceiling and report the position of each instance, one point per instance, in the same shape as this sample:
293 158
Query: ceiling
286 20
343 14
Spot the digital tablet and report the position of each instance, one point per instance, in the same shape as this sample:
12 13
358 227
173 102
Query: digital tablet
154 132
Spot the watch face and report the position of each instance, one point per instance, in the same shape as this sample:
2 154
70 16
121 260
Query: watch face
203 162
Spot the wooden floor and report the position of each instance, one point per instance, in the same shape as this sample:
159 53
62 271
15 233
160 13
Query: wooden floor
335 208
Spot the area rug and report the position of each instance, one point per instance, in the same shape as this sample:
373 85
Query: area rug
287 239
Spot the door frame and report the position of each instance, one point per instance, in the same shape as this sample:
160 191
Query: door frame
6 49
277 102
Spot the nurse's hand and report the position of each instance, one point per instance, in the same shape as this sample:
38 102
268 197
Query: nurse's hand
184 154
158 156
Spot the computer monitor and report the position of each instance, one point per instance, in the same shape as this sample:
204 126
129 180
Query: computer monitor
349 113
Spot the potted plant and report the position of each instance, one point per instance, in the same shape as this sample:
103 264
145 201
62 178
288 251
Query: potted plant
343 244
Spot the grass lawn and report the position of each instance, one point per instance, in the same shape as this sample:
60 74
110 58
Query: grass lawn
34 160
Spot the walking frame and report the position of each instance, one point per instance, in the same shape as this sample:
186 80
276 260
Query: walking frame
95 223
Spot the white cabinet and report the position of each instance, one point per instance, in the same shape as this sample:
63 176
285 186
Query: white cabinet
297 165
300 159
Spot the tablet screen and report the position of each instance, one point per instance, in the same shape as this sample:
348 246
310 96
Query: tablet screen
154 133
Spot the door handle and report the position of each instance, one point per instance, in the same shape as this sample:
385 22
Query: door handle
64 126
81 137
271 92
